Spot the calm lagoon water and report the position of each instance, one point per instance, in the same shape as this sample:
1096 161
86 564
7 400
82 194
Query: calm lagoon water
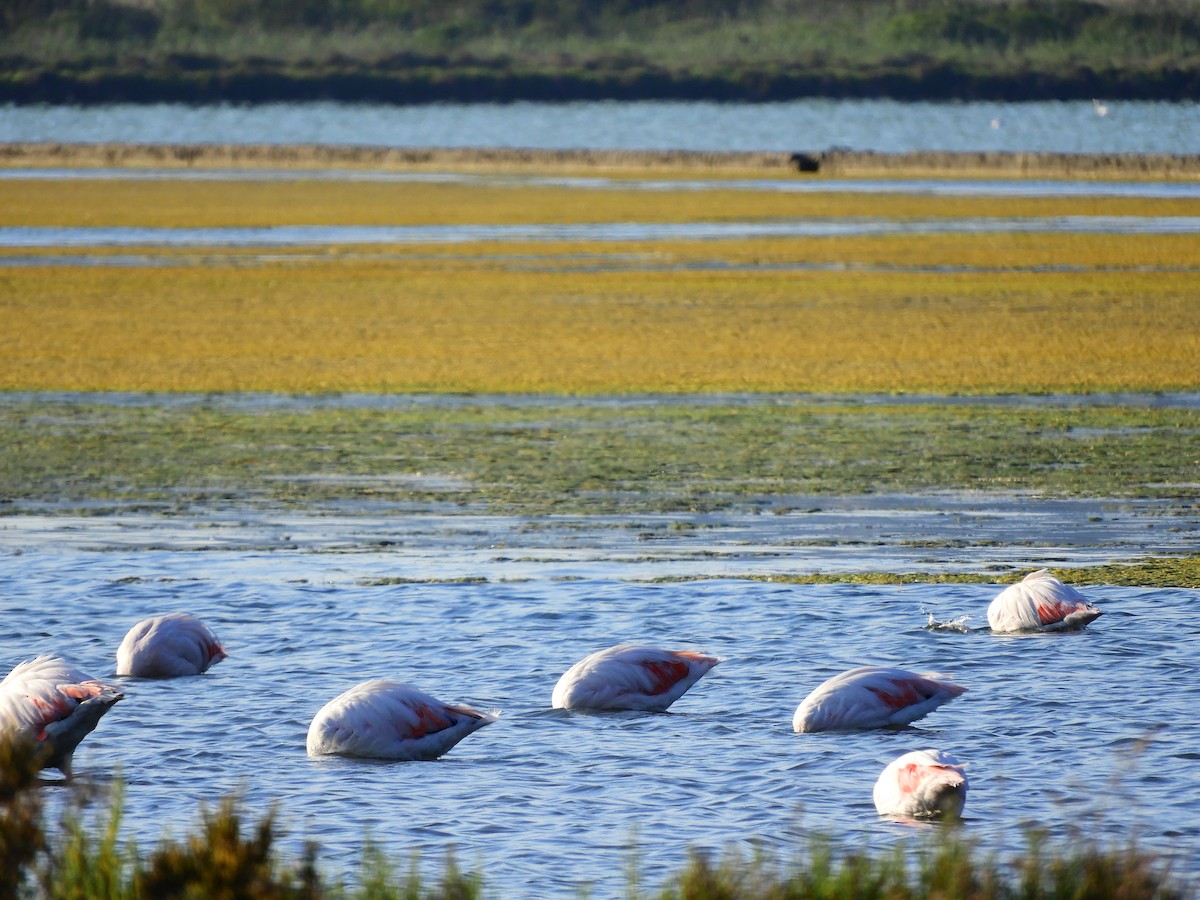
882 125
1092 733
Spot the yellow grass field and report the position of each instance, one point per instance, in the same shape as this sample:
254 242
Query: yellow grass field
989 312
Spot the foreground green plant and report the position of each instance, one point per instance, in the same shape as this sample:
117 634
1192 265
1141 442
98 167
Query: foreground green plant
226 857
947 866
21 836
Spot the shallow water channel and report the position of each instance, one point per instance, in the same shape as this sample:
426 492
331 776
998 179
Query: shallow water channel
1090 735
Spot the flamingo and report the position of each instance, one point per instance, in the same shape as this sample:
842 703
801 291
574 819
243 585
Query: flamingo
383 719
630 676
1040 602
48 701
872 697
923 784
168 646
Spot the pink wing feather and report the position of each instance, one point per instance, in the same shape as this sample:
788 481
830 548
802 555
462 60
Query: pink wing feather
872 697
391 720
1040 602
631 676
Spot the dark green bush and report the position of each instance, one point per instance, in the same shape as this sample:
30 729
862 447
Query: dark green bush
219 862
21 837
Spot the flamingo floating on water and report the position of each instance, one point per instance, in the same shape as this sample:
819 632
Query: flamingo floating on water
872 697
923 784
390 720
168 646
50 702
630 676
1040 602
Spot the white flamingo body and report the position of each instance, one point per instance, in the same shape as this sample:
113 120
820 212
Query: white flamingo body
872 697
48 701
630 676
168 646
1040 602
923 784
390 720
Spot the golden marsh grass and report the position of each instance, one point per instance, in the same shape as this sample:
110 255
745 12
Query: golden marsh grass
306 201
909 312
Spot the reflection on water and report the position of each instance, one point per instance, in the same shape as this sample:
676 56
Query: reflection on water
1093 730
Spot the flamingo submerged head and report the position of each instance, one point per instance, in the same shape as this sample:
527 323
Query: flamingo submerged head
168 646
384 719
53 705
1040 602
631 676
872 697
923 784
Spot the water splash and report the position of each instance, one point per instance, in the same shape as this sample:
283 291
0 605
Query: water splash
958 625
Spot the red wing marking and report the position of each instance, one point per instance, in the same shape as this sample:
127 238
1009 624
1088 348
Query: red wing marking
903 693
1054 611
81 691
665 674
429 721
50 712
909 778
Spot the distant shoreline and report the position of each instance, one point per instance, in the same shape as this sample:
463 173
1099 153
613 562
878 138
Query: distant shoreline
812 164
204 80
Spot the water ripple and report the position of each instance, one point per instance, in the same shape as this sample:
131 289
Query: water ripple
1093 730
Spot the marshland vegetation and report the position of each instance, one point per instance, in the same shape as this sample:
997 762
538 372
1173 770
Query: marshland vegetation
936 308
939 312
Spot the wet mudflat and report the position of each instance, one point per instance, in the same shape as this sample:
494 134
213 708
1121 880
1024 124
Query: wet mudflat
763 456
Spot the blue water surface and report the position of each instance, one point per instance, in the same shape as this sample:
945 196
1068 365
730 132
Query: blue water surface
800 125
1090 735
